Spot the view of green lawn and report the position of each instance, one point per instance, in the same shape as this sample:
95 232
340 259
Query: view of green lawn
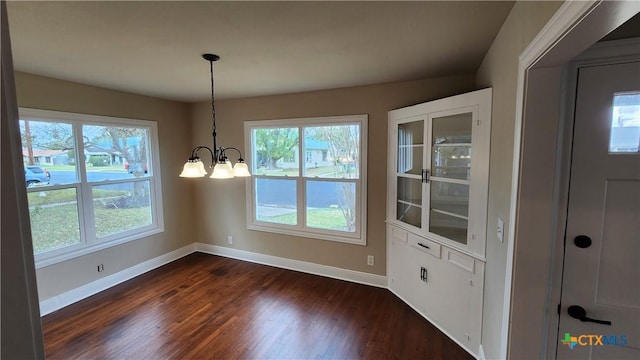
54 217
54 227
331 219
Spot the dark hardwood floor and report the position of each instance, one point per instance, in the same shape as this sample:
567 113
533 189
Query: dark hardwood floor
209 307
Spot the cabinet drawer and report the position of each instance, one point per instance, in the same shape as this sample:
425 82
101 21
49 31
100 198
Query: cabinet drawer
460 260
398 234
424 245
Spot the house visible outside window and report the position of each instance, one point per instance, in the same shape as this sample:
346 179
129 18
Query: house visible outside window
101 185
323 197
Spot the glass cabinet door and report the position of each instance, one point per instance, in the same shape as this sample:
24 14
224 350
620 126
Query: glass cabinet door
411 147
410 163
409 206
450 174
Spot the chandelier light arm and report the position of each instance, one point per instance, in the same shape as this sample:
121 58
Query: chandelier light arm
194 153
232 148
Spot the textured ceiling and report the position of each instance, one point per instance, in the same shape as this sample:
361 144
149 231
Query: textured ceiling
154 47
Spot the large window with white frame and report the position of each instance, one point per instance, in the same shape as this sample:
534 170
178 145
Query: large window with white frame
92 182
309 177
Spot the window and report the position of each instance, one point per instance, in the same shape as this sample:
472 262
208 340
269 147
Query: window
324 195
92 182
625 123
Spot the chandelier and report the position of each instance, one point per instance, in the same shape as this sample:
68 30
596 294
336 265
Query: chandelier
222 168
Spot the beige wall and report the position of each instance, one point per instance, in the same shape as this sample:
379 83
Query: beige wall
221 204
174 138
500 71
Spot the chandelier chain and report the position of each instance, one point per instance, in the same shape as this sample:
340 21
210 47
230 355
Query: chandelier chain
213 103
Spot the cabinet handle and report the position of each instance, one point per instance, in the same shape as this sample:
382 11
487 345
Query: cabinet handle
424 246
426 176
423 274
422 176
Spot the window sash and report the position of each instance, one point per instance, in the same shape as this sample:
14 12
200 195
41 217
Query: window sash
358 236
89 241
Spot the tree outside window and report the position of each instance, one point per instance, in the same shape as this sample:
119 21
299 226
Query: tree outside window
100 186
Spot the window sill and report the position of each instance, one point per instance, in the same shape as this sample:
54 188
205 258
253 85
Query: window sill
361 240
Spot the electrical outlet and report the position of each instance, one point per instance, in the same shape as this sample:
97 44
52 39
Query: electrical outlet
370 260
230 239
101 268
500 230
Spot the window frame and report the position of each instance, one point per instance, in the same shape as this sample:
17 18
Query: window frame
89 241
359 236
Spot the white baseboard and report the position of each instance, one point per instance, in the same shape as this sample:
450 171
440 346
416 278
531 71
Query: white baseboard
58 302
297 265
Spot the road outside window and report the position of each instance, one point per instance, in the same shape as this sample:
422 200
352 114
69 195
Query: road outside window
309 177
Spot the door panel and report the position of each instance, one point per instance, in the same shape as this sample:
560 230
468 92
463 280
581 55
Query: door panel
620 247
603 277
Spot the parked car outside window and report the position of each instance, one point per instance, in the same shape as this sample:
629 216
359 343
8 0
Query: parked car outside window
36 175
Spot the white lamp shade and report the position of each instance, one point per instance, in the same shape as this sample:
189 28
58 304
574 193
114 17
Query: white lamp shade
241 169
193 169
222 170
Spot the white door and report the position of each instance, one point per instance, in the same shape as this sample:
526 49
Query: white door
601 281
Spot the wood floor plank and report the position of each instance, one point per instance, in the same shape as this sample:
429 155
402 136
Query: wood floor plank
209 307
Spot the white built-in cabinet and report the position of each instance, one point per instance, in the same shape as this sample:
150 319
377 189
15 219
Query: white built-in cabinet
438 173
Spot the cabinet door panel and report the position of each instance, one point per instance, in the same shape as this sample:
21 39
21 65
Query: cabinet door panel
451 146
410 158
423 271
403 272
451 307
410 190
451 161
409 201
450 198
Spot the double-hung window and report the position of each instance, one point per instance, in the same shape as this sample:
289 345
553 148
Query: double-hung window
309 177
92 182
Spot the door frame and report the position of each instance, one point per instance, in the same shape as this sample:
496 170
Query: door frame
21 325
540 173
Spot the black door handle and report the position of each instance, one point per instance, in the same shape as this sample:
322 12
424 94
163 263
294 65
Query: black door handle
578 312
